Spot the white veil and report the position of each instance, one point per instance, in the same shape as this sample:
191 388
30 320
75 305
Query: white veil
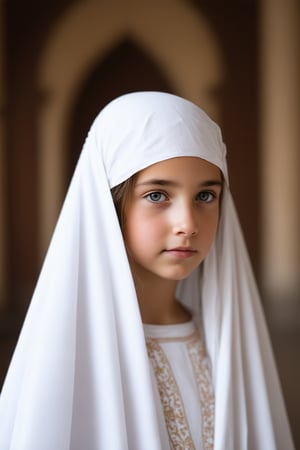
79 378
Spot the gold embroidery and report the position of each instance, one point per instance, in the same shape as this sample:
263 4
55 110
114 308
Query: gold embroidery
201 368
177 427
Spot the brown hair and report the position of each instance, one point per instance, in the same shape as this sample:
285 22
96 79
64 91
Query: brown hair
121 195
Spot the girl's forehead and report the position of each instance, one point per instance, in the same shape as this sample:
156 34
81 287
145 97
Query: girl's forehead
187 165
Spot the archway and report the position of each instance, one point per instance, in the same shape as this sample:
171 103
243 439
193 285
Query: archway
175 36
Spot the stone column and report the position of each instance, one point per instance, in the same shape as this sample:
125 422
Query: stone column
2 165
280 125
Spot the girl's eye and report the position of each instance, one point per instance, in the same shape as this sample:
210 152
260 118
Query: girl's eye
206 196
156 197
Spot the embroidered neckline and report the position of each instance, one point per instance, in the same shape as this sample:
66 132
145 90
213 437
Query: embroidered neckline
176 423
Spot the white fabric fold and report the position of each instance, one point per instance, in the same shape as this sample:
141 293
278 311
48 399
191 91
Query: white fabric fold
80 376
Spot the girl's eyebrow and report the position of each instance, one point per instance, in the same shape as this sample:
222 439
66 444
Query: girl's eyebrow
161 182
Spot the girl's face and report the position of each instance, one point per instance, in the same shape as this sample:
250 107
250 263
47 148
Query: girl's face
172 216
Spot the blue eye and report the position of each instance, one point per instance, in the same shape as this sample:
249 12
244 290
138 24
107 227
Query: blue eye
156 197
206 196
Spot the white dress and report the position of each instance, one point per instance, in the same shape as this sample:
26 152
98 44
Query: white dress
182 379
79 378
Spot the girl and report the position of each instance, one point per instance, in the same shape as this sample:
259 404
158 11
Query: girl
145 330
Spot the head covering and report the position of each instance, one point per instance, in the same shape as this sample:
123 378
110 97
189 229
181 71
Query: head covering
80 377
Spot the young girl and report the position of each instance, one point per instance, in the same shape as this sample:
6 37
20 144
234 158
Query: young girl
145 330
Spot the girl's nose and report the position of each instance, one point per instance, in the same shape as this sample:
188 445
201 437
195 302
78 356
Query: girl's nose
186 223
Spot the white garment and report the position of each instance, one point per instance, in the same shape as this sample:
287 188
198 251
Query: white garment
182 376
80 375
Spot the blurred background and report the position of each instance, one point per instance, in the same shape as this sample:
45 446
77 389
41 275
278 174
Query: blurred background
61 61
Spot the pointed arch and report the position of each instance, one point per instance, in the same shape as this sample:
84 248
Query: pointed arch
124 69
175 35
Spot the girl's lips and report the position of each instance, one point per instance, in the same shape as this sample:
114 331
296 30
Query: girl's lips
182 252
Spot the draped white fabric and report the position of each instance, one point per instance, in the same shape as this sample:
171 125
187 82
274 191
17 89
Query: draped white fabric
80 378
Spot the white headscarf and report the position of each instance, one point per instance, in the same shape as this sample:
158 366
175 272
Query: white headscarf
80 378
